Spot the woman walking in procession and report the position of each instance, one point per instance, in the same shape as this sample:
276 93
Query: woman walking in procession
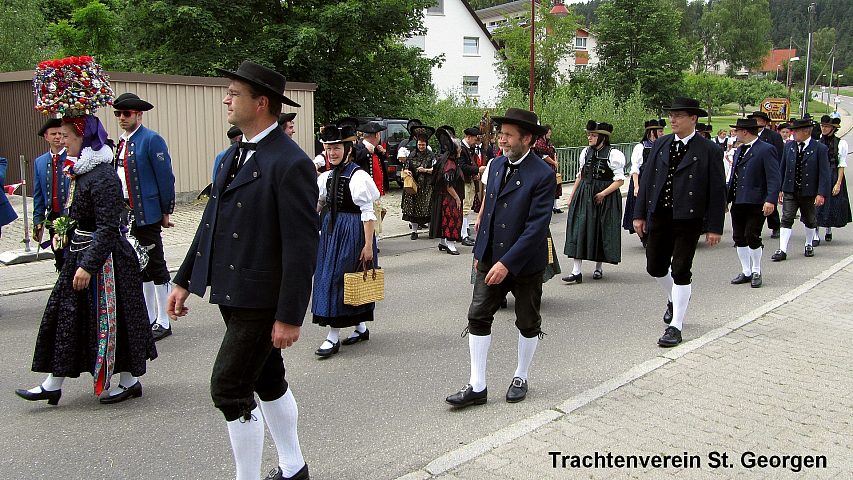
419 165
95 321
595 205
347 243
446 221
545 149
835 212
653 131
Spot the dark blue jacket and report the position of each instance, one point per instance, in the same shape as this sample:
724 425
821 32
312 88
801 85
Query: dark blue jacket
43 186
519 215
151 181
699 183
816 175
7 213
256 245
758 175
773 138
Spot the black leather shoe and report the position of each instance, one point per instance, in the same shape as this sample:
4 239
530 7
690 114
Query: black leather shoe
52 396
774 233
414 236
517 390
133 391
468 242
452 252
442 247
557 210
816 242
671 337
809 251
357 337
467 397
741 278
756 280
779 256
328 352
160 332
667 315
574 278
276 474
597 275
828 237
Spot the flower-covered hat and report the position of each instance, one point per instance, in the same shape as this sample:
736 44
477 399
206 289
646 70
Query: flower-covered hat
71 87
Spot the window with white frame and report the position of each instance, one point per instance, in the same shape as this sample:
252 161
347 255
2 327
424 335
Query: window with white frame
437 9
580 43
470 46
470 85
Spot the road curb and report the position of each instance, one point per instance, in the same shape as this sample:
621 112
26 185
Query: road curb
469 452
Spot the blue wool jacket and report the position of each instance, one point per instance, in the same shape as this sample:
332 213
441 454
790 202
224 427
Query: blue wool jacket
151 183
7 213
43 186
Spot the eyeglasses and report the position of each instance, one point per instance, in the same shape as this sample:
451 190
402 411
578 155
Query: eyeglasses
125 113
674 114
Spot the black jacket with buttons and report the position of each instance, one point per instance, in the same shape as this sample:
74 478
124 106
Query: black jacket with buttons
256 246
698 186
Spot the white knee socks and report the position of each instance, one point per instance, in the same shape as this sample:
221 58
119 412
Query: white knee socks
247 444
810 234
162 292
755 257
665 283
743 255
361 327
465 224
526 349
281 417
150 293
126 380
680 299
49 384
413 227
478 346
331 338
784 238
576 266
451 245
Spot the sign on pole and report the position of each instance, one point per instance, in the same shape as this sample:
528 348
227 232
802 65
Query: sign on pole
778 109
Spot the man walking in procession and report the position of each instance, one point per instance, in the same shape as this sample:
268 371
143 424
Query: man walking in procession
50 188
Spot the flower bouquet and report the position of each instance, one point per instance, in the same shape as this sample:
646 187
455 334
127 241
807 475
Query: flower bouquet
61 227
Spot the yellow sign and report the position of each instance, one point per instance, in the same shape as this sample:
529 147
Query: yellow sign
778 109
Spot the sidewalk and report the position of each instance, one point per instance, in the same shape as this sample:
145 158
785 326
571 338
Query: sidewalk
771 390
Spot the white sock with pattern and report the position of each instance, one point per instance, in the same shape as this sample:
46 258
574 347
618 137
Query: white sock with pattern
281 417
478 346
247 445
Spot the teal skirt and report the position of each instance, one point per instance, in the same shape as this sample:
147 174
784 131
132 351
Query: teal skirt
593 231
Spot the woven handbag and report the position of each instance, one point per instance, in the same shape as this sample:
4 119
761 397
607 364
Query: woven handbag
409 184
364 286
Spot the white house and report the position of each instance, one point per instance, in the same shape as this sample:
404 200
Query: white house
454 30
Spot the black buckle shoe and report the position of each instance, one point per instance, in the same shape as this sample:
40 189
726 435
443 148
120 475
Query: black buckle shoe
517 390
52 396
574 278
133 391
809 251
597 275
828 237
442 247
357 337
779 256
414 236
557 210
468 242
756 280
467 397
328 352
816 242
277 474
159 332
671 337
667 315
741 278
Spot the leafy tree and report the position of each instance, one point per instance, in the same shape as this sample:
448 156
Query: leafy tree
639 44
790 26
738 44
752 91
712 91
553 42
23 39
92 30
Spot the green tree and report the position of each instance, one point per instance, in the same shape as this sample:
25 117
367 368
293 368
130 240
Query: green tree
23 40
712 91
752 91
553 42
91 30
639 44
732 40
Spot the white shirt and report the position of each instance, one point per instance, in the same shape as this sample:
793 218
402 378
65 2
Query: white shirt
485 176
402 152
637 158
361 187
843 150
257 138
685 139
121 154
616 162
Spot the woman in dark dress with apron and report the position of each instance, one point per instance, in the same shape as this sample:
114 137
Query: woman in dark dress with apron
653 131
419 164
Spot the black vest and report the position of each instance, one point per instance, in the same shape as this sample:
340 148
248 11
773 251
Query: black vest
596 166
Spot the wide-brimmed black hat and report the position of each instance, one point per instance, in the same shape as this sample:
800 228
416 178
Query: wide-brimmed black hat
286 117
600 128
348 121
784 125
654 124
371 127
689 105
50 123
411 123
418 131
524 119
270 81
131 101
472 131
827 121
234 132
745 123
335 134
760 115
445 139
450 130
701 127
709 128
801 123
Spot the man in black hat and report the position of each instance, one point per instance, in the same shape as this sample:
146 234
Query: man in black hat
259 272
50 185
144 167
374 160
511 252
683 183
767 134
805 185
470 167
287 123
753 192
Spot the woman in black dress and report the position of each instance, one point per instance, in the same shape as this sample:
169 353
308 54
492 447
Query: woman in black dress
95 321
419 165
446 221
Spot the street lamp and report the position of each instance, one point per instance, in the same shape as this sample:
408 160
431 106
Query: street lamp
788 77
837 86
559 10
805 108
777 73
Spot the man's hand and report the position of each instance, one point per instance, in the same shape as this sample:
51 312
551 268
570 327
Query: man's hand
640 227
496 274
175 303
768 208
818 200
167 221
712 238
81 279
284 335
38 231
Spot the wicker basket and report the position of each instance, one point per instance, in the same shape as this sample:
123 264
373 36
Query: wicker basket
409 184
364 286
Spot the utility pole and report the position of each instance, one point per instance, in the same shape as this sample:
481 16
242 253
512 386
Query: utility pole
831 73
808 64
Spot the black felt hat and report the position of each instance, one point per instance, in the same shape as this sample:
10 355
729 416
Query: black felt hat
445 139
524 119
286 117
411 123
745 123
654 124
701 127
801 123
472 131
418 131
371 127
689 105
335 134
760 115
50 123
348 121
599 128
827 121
131 101
267 80
234 132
